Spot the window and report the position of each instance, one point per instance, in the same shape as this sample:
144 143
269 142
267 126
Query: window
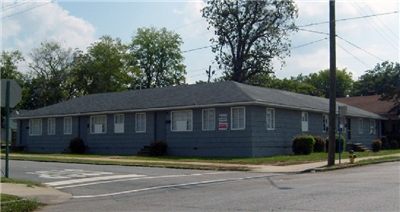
67 125
325 123
140 122
98 124
35 127
119 123
182 120
304 121
360 126
270 119
209 119
372 127
51 126
238 118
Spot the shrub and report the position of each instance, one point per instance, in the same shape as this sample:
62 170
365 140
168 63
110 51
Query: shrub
343 142
394 144
376 145
77 146
385 143
319 145
158 148
303 145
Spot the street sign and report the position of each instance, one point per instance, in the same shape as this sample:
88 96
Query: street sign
15 92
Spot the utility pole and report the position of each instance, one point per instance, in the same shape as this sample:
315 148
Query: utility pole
332 89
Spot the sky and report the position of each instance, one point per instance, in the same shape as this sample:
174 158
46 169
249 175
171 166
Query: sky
367 31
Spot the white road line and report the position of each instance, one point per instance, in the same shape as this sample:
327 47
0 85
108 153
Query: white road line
168 186
91 179
135 178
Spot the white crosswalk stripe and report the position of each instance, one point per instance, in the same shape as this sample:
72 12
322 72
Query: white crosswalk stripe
92 179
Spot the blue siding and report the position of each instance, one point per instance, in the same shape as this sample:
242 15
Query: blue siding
253 141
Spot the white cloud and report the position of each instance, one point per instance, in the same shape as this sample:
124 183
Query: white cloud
34 22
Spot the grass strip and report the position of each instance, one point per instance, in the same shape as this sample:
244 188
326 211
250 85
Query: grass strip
27 182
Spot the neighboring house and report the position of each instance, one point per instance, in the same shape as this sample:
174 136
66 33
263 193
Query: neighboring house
389 127
226 119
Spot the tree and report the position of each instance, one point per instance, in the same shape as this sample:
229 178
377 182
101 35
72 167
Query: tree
106 67
51 72
9 66
321 80
250 34
381 79
159 57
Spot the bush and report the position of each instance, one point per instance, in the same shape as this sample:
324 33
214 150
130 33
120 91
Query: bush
394 144
77 146
385 143
343 142
376 145
158 148
303 145
319 145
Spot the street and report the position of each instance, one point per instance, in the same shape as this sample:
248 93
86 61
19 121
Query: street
127 188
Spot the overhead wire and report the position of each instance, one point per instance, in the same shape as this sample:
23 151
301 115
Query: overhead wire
382 33
25 10
353 55
347 19
14 5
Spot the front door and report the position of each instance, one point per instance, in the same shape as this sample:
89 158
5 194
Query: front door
160 126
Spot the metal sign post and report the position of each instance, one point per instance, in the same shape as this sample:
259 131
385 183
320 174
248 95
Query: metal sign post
9 87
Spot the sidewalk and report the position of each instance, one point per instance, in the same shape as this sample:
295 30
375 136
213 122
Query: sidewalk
48 195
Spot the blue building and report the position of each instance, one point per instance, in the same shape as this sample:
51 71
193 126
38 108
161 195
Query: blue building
226 119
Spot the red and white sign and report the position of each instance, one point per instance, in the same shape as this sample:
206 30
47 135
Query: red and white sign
223 126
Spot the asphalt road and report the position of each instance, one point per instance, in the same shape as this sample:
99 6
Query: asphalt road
126 188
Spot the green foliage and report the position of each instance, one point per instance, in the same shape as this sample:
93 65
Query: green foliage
376 145
159 57
106 67
378 79
250 34
19 206
343 143
158 148
321 81
393 144
303 145
77 146
319 145
51 73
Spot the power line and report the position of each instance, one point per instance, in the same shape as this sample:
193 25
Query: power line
374 25
359 48
306 44
190 50
14 5
347 19
382 22
188 24
353 55
25 10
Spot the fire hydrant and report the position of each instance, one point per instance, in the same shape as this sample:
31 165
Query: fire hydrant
352 156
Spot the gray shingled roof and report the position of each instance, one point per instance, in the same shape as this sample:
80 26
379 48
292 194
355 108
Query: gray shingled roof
188 96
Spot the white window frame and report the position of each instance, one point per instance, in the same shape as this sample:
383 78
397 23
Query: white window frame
140 122
360 126
372 126
304 121
208 119
238 122
325 123
35 127
67 125
182 121
119 123
270 118
96 122
51 126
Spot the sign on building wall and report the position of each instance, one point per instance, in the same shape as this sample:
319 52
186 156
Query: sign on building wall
222 121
